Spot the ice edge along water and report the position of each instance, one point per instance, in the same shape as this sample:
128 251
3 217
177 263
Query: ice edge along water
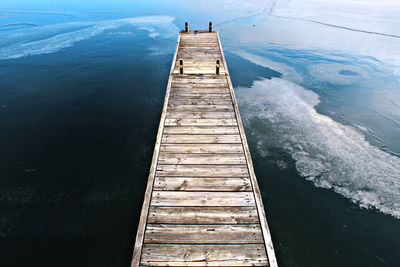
329 154
64 37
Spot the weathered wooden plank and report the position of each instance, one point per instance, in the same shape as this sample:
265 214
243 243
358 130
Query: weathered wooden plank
203 215
201 148
201 130
199 55
199 44
195 37
200 84
192 41
201 184
198 48
197 84
202 199
212 100
194 70
197 158
200 108
198 77
204 255
203 56
202 170
206 61
209 64
200 122
204 80
200 115
190 44
200 95
198 39
199 90
201 139
203 234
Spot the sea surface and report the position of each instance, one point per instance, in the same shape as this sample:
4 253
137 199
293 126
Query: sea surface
82 85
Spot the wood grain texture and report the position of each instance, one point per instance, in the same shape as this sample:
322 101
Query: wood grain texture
203 234
202 199
200 115
200 122
194 130
204 255
201 148
203 215
202 205
201 184
200 108
198 158
201 139
202 170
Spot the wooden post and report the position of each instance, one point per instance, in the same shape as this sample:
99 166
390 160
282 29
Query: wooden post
186 26
181 66
217 67
210 27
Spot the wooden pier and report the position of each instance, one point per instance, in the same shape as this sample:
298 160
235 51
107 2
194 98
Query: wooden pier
202 205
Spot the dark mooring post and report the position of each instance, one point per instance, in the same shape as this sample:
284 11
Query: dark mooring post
210 27
181 66
186 26
217 67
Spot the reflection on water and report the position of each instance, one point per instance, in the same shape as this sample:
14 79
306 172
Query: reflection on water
81 91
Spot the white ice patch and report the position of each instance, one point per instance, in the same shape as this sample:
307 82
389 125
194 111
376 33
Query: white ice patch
335 73
156 26
326 152
288 72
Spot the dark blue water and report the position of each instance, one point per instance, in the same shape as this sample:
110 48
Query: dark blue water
81 95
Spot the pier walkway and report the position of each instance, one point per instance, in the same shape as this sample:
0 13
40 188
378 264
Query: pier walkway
202 205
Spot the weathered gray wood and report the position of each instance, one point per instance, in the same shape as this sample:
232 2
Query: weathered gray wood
203 215
200 115
201 130
202 188
195 69
198 101
204 82
186 158
202 199
202 170
189 44
204 255
203 234
199 77
201 139
199 90
201 184
200 122
199 87
200 94
201 148
200 108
